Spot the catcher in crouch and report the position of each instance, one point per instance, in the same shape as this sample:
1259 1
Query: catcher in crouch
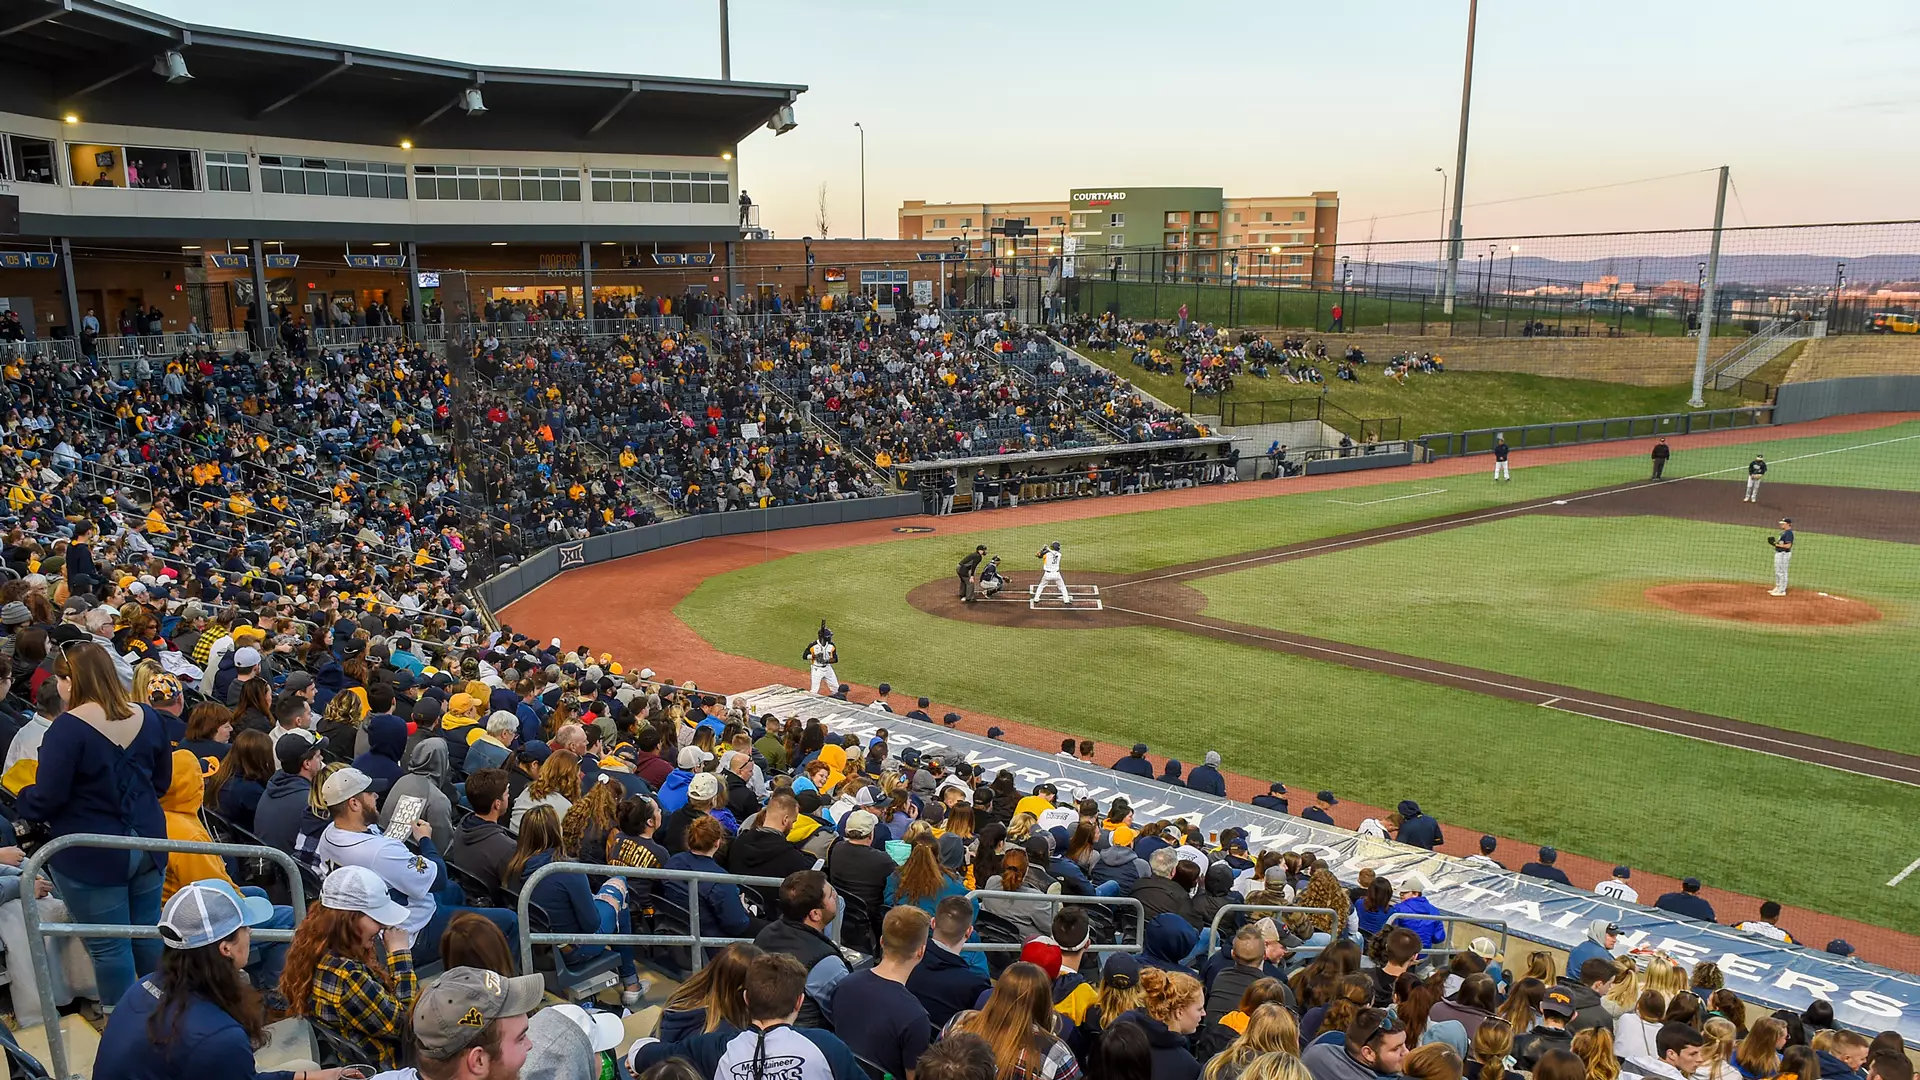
820 654
1049 557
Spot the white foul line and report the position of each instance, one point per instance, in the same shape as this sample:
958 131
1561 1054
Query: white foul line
1460 677
1517 508
1396 498
1902 875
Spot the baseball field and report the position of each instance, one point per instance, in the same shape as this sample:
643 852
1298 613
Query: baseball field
1576 657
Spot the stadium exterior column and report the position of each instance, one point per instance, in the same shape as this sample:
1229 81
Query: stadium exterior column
262 311
586 282
73 293
413 290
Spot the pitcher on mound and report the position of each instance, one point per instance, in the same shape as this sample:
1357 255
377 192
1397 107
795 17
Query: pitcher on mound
1049 557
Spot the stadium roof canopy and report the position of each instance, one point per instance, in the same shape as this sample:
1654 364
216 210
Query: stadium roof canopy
106 62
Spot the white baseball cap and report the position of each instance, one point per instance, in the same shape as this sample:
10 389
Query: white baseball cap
209 911
246 656
604 1030
344 785
356 888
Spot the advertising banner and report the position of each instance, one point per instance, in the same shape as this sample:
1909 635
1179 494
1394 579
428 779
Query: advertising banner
1864 996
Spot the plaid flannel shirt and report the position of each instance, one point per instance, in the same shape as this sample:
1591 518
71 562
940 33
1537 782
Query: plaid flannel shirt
360 1009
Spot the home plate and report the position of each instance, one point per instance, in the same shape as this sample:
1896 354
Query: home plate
1084 598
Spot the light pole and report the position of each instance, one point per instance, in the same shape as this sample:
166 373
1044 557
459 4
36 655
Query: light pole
1439 270
1839 286
1507 326
863 180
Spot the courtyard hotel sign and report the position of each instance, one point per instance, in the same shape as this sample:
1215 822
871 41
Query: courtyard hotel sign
1099 198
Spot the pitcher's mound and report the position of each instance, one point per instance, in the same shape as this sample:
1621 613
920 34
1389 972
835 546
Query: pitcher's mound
1754 604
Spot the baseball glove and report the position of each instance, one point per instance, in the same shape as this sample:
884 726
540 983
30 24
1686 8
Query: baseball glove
1773 541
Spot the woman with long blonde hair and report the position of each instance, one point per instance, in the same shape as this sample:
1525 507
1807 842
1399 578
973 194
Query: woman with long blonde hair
1017 1022
922 880
1540 965
1270 1028
1595 1047
1625 992
1521 1010
1664 975
713 998
1276 1066
1018 829
1758 1057
557 786
1717 1055
1489 1051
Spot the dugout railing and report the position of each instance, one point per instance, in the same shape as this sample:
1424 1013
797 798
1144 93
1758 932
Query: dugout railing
1610 429
1401 918
1213 938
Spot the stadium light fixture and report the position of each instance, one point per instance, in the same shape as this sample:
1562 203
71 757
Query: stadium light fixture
406 144
726 155
71 118
172 66
471 101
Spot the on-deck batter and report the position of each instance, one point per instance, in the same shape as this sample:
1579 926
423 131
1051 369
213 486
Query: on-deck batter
821 654
1049 557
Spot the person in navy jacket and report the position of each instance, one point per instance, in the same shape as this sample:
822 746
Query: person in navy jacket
1416 828
1207 778
1687 901
103 763
1135 763
195 1017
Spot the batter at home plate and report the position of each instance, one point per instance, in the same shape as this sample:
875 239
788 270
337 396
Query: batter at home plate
1049 557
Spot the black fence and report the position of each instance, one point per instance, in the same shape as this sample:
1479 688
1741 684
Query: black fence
1801 401
510 585
1537 436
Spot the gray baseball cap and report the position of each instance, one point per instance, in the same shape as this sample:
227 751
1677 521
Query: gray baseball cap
455 1009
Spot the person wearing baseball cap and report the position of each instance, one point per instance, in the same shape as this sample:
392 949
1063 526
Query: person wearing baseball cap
1135 763
1275 798
194 1017
353 838
1544 869
472 1024
1687 901
1556 1012
1322 808
336 974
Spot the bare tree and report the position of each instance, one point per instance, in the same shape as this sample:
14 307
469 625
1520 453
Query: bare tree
822 227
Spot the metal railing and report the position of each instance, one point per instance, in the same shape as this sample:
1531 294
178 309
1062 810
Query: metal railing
1611 429
1759 350
126 347
1139 926
38 932
693 937
1400 918
1213 939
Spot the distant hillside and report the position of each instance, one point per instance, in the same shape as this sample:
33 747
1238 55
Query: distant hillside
1755 271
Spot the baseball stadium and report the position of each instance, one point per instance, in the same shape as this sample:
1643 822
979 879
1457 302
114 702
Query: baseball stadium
478 602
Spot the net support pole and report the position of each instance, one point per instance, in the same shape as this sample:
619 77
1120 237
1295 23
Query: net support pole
1698 400
1460 164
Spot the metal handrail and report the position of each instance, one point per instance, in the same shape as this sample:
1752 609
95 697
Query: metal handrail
1486 924
528 939
1139 928
1213 939
38 932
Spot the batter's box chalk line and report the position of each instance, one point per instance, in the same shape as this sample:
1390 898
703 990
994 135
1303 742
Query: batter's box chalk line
1080 598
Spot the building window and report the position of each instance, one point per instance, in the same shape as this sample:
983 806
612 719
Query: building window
286 174
227 171
1235 217
1079 221
1171 239
1057 219
939 223
1294 260
966 223
1261 259
1116 240
999 223
511 183
28 160
1266 215
616 185
1205 239
1207 217
1116 221
161 169
1176 217
1299 215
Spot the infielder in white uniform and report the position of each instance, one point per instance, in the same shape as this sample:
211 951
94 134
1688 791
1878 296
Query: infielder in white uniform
1050 572
821 654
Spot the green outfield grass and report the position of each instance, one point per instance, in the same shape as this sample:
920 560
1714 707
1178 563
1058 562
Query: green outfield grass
1656 801
1559 599
1427 404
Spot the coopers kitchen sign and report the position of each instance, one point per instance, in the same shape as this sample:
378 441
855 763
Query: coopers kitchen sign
1099 198
1865 996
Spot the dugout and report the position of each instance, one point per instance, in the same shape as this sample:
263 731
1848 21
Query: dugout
1046 475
